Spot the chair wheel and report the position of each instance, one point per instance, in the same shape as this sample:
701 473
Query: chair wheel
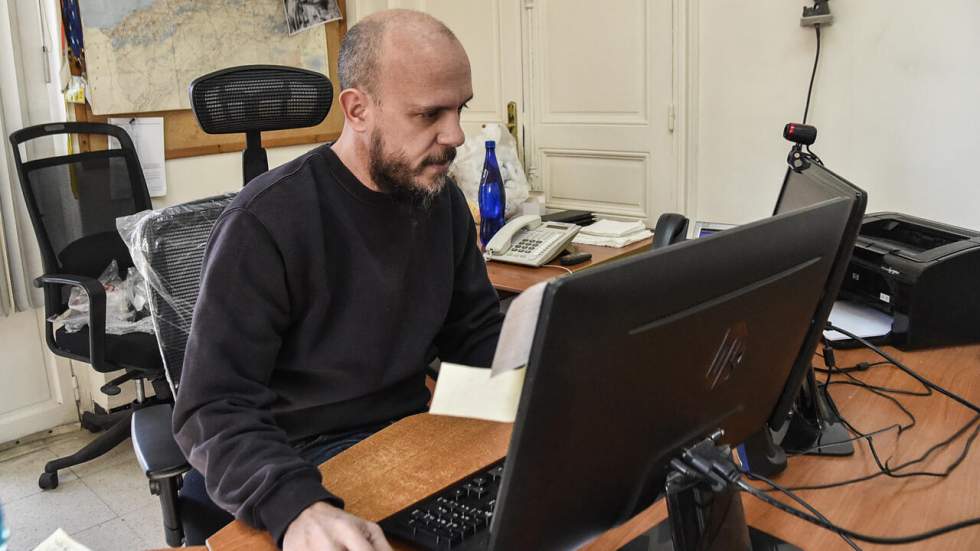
48 481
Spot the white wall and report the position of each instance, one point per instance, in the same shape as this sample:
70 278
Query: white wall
895 103
192 178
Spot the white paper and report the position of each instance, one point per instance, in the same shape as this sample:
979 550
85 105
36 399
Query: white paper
60 541
863 321
613 228
517 333
463 391
147 136
615 242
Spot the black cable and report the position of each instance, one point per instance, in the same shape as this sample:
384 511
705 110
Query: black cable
912 538
889 390
862 366
884 468
925 455
854 439
813 75
831 363
953 396
802 502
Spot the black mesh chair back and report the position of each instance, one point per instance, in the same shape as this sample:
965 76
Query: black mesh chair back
168 246
171 254
257 98
74 200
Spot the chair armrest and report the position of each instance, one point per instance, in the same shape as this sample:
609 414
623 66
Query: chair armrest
153 441
96 314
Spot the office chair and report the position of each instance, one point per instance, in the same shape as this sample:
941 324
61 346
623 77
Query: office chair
169 252
249 99
257 98
73 201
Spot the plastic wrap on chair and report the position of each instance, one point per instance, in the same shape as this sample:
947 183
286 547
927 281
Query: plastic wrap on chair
167 247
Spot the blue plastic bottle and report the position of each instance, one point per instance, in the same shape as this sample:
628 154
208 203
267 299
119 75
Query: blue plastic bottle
492 198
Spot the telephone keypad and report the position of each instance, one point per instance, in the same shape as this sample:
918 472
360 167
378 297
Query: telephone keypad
531 242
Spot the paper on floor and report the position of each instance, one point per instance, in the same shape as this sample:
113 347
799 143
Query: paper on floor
60 541
463 391
863 321
517 333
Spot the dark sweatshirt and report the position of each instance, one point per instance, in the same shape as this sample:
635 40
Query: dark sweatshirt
321 304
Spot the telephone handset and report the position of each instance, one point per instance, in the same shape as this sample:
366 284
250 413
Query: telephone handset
529 241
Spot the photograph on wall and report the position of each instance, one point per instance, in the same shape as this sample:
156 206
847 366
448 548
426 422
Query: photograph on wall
303 14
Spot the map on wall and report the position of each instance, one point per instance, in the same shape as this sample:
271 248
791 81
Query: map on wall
141 55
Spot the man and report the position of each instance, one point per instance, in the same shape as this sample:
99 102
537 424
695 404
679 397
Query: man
330 283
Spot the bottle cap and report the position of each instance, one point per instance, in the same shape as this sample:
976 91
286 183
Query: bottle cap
490 144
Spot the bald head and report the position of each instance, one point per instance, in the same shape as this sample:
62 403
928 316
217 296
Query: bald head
405 80
388 38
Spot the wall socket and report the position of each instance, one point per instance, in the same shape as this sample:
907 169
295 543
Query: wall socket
818 14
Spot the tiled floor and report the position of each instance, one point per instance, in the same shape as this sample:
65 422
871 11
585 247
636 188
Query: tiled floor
104 504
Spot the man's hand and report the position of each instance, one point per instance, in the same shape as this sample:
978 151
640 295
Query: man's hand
323 527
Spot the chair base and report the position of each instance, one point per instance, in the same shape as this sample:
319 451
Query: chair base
117 431
98 422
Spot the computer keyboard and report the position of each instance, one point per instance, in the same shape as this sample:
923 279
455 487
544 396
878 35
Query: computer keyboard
451 517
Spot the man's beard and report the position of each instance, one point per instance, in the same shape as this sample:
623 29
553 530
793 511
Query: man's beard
395 176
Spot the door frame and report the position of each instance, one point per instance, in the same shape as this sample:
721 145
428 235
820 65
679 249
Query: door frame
686 37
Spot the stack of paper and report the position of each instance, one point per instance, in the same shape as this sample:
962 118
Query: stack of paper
612 233
863 321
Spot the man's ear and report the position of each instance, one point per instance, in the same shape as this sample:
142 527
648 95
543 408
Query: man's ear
357 107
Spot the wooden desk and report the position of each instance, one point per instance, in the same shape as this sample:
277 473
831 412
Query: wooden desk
422 454
514 278
890 506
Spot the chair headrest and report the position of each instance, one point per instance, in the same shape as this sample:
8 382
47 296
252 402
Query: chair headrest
260 98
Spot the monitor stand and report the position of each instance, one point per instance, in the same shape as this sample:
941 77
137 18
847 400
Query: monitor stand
815 429
702 519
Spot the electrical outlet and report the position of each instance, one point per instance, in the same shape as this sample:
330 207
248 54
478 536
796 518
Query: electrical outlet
818 14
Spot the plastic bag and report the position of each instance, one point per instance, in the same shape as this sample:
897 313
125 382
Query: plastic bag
167 247
467 169
125 304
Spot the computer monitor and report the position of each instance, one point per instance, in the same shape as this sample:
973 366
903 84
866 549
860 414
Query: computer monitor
635 360
803 188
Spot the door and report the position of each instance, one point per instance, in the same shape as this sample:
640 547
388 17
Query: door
600 133
37 391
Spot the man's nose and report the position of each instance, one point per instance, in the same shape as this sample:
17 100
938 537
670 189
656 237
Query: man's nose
451 134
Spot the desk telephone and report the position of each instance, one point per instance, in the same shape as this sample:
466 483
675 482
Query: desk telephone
529 241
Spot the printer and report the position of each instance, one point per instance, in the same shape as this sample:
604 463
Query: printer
925 274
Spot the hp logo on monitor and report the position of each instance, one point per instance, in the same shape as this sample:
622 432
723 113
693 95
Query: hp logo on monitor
729 356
